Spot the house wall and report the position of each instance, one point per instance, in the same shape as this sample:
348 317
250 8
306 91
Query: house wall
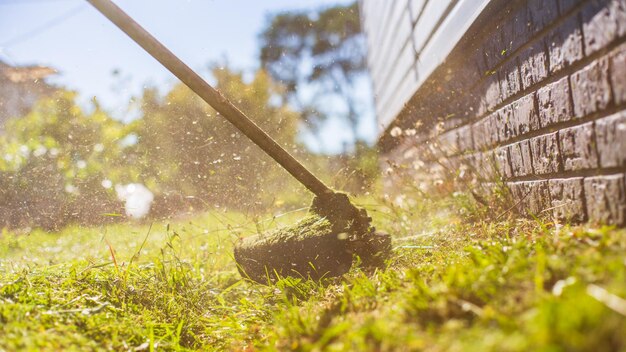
534 95
407 40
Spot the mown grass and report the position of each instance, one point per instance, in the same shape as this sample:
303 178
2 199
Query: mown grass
452 284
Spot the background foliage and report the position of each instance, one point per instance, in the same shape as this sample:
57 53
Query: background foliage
56 163
323 51
60 163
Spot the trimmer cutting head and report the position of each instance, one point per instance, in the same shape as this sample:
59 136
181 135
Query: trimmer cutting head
323 244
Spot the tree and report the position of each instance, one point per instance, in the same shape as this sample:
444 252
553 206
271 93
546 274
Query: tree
187 151
318 56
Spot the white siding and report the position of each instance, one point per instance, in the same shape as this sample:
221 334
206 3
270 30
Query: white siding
407 40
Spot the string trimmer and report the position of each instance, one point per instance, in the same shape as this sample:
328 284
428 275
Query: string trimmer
321 245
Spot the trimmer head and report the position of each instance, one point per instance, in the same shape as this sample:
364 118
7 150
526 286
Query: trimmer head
318 246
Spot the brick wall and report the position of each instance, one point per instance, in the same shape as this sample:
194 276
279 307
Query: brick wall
534 95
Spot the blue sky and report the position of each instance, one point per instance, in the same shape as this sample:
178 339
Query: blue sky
86 49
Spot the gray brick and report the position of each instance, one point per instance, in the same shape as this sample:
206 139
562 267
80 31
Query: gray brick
566 5
450 122
479 63
520 157
470 162
578 147
519 196
471 104
603 22
533 66
591 90
492 92
568 202
505 123
532 197
517 118
448 143
482 139
618 74
565 44
493 49
555 103
541 13
480 102
486 165
467 172
606 199
465 105
465 139
525 113
510 81
539 197
502 162
516 30
491 129
611 137
546 155
480 135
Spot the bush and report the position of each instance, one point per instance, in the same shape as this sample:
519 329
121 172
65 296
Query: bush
56 162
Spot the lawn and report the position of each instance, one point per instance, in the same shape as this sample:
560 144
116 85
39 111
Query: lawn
458 279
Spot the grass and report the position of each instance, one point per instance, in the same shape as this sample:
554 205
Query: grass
452 284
